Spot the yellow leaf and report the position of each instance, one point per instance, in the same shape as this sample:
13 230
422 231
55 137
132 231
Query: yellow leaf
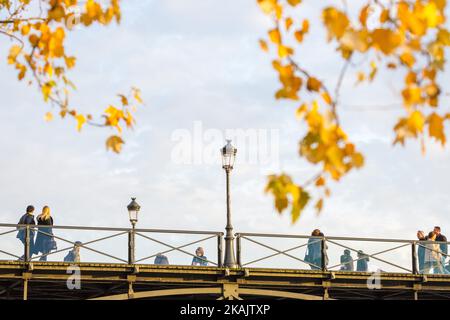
416 121
408 59
137 95
319 205
357 160
13 53
299 36
313 84
335 21
114 143
81 120
300 112
123 99
436 127
70 62
48 116
320 182
305 26
384 16
386 40
46 91
294 2
25 29
267 6
263 45
284 51
364 14
288 23
275 36
326 97
355 40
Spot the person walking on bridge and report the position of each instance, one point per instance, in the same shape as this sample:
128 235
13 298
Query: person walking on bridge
314 251
28 219
363 262
44 239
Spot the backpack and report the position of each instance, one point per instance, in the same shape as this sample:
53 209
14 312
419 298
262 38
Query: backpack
161 259
70 257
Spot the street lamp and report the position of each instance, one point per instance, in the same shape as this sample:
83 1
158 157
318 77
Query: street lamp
133 211
228 158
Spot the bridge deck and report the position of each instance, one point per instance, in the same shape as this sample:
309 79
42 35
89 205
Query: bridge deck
48 280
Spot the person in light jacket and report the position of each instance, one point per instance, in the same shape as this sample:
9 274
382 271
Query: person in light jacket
432 261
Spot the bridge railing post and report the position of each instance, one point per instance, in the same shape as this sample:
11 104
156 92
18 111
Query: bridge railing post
323 254
238 250
414 258
26 256
219 250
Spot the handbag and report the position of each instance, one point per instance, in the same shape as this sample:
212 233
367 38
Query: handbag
51 244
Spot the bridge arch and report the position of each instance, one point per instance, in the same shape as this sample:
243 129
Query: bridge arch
210 290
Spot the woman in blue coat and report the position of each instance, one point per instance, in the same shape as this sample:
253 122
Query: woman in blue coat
44 239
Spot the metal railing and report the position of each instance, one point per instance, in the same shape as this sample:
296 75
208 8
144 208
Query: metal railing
326 251
148 235
406 256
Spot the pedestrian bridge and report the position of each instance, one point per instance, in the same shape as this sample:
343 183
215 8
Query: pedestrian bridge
118 263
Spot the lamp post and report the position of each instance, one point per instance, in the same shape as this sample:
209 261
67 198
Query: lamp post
133 211
228 158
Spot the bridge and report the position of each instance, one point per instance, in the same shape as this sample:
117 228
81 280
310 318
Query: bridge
118 264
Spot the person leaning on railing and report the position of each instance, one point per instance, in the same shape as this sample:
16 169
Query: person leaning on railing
313 254
200 259
28 219
347 261
362 264
421 250
74 254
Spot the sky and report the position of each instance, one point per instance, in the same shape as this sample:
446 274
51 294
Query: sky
204 79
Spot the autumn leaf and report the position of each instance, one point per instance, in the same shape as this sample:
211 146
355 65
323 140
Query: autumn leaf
436 127
275 36
81 120
313 84
48 116
263 45
335 21
114 143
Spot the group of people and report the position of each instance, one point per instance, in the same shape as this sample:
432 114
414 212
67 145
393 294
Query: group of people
44 242
198 260
432 249
431 256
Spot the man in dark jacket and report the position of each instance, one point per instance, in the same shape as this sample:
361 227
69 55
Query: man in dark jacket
443 246
440 237
27 219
